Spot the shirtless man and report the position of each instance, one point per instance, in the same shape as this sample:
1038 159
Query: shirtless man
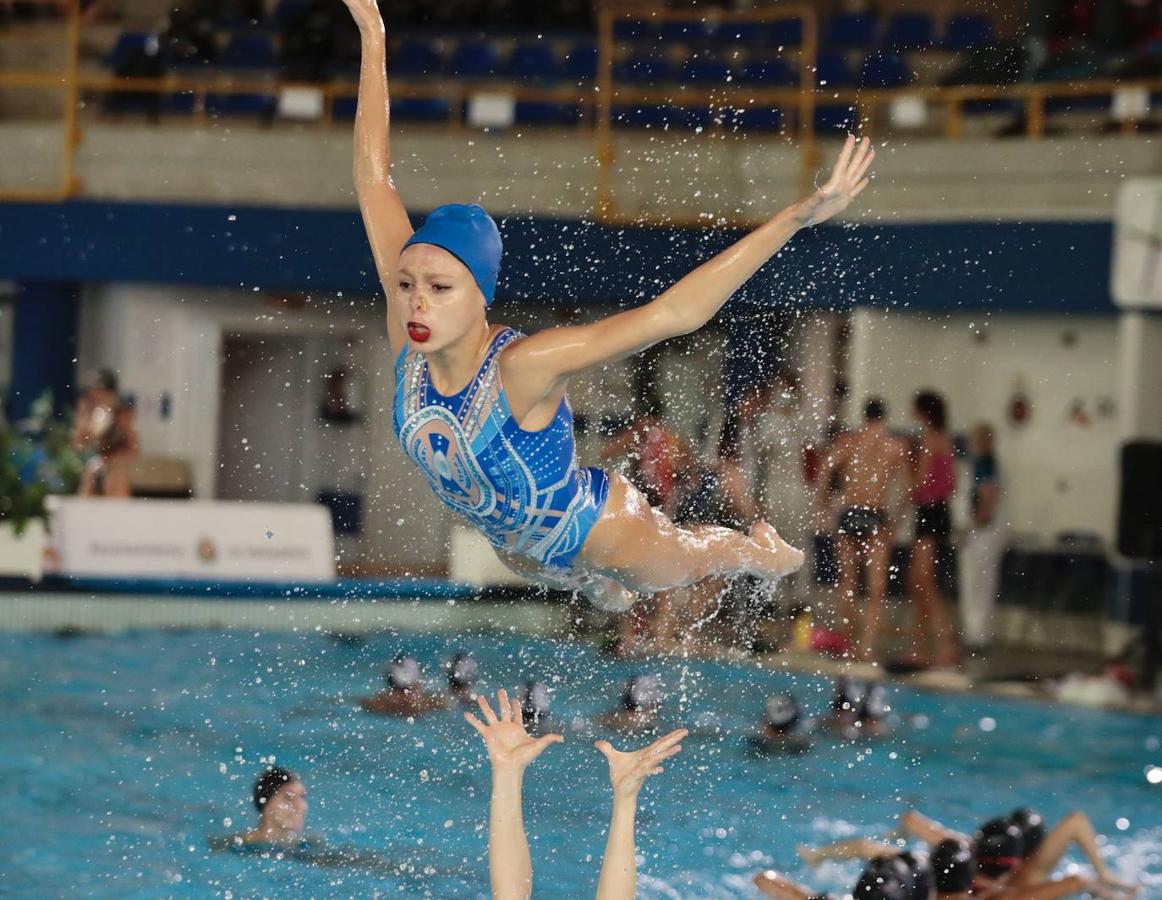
868 460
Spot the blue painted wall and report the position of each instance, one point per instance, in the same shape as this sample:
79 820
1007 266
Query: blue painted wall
1058 266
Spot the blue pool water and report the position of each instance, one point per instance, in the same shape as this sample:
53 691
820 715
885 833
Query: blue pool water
120 755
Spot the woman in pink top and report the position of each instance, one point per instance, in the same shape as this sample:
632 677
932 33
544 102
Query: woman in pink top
933 484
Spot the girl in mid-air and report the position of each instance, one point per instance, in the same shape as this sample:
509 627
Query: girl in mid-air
482 409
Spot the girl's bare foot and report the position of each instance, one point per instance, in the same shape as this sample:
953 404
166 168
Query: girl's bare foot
786 559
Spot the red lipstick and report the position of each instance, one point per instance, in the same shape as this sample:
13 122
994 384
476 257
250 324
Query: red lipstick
418 333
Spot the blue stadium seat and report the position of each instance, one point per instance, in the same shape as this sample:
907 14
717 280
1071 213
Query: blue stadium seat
530 112
258 105
633 30
660 116
703 70
674 32
129 43
831 69
751 34
580 62
968 33
884 70
249 50
643 69
531 61
851 30
288 10
752 118
769 72
473 59
415 57
910 31
786 33
835 117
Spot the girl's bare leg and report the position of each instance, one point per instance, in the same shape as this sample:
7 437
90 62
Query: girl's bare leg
644 551
849 562
936 611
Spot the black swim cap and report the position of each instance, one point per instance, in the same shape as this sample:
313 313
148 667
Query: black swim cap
535 701
999 847
849 694
874 705
955 866
642 692
883 879
462 670
1032 827
782 712
268 783
921 879
403 672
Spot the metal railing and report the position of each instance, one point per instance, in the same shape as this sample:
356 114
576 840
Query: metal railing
596 104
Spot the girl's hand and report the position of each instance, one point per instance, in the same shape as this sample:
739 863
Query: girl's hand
509 745
366 15
847 181
628 770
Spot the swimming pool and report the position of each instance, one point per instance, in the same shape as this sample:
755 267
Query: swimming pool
121 754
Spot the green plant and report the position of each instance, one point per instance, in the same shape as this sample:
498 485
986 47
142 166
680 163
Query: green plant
35 461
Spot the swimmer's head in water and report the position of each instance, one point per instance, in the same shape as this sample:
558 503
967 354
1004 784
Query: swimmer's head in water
643 693
446 267
874 409
1032 827
1000 847
874 705
954 865
402 673
848 696
921 881
281 799
931 410
462 670
782 712
535 701
886 878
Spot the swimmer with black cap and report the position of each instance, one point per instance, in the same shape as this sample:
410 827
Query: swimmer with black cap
1006 867
536 703
482 410
462 669
405 695
784 729
641 701
895 876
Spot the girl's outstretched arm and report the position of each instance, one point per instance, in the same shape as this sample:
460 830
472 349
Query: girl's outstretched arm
545 361
384 217
627 772
510 750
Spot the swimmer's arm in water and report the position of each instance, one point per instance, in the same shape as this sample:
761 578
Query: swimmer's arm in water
510 750
860 848
775 885
929 830
541 364
627 772
384 217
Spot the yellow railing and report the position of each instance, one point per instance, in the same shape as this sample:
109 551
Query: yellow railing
63 80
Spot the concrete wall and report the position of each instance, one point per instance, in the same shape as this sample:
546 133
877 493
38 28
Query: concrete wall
553 172
1059 474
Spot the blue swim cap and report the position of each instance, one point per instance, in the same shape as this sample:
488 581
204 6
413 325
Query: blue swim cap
467 232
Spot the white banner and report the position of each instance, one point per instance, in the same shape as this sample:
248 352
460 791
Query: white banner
211 540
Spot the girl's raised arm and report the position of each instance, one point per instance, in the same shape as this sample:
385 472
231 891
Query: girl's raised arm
544 361
384 217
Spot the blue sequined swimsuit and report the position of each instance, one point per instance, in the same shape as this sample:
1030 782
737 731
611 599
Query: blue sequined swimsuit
522 489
